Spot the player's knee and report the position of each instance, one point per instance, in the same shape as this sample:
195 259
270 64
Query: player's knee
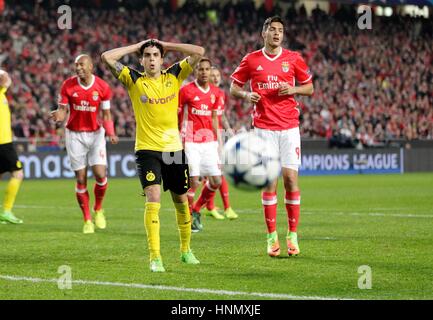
19 174
291 183
215 182
81 181
153 193
194 183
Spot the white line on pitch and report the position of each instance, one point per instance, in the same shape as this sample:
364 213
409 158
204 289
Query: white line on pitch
170 288
307 212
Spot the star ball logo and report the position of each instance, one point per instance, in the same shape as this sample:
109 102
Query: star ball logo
144 98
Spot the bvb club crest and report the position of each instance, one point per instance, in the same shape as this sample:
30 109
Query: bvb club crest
212 98
285 66
95 95
168 84
150 176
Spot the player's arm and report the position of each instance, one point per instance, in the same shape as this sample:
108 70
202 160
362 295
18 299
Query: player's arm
111 57
302 90
226 125
60 114
194 52
108 125
215 125
239 92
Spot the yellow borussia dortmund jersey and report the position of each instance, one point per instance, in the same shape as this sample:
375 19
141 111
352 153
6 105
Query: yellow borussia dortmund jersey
155 104
5 118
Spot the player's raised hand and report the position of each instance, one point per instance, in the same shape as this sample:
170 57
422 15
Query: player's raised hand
286 90
58 115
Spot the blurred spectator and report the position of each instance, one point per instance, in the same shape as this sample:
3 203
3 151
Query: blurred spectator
371 86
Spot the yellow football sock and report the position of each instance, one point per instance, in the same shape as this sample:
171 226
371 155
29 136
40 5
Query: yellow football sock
183 218
11 193
151 224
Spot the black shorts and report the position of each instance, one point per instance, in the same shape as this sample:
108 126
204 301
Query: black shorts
9 159
169 167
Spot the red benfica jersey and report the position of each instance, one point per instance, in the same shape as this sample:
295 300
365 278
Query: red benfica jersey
84 102
267 73
199 103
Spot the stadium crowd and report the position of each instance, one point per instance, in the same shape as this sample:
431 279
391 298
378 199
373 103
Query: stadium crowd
371 86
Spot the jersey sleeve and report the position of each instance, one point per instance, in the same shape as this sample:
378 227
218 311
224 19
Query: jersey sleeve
302 72
3 90
242 73
128 76
181 70
63 95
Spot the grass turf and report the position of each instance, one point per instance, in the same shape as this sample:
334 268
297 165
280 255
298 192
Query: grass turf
382 221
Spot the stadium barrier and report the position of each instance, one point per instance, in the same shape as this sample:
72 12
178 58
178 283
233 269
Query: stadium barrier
316 160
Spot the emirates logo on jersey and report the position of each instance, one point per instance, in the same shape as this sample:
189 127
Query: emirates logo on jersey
285 66
95 95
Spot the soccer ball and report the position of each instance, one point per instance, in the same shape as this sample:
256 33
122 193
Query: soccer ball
250 162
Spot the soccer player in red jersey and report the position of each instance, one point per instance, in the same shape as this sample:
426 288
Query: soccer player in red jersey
223 124
200 101
276 75
85 94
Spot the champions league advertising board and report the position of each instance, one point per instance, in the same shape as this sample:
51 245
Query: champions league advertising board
122 164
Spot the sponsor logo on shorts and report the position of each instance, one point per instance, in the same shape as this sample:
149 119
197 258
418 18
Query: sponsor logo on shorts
19 165
150 176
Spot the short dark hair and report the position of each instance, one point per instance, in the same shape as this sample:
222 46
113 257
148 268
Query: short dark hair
205 59
152 43
268 22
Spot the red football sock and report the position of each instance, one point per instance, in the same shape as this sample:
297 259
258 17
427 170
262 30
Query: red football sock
206 193
83 200
293 205
210 204
190 194
101 186
224 191
269 202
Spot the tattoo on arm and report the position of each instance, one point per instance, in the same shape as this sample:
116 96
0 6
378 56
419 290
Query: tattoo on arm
116 69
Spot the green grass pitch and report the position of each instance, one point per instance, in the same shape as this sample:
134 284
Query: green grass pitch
384 222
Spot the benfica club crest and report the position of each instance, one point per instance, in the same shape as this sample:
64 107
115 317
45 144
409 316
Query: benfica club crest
285 66
212 98
95 95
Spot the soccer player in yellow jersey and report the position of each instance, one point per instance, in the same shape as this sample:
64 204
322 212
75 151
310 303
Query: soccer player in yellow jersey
8 157
159 154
